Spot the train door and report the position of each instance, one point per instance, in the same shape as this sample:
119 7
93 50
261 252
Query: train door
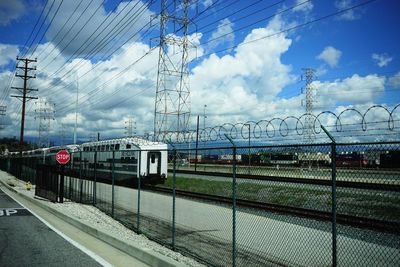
153 163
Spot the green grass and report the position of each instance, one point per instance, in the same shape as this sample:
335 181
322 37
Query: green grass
379 205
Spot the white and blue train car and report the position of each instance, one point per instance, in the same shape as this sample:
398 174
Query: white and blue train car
130 158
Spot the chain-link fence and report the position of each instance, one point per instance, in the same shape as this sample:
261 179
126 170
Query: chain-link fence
289 205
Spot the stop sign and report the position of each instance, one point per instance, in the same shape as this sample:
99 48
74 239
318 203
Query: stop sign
62 157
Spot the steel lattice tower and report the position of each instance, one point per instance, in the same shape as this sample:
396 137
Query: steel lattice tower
130 128
172 103
45 113
309 135
3 110
63 131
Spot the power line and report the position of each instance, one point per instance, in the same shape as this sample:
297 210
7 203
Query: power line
80 30
103 45
48 26
59 31
246 16
63 108
41 25
287 29
34 27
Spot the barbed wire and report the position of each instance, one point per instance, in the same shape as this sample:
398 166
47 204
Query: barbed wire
281 127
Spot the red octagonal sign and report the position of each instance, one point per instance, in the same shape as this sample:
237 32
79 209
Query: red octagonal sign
63 157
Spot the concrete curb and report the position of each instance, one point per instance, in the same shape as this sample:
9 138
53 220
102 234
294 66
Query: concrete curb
147 256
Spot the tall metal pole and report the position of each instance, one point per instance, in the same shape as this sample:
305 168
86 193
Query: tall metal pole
249 163
76 108
308 126
204 117
112 183
197 143
2 113
334 197
234 193
174 199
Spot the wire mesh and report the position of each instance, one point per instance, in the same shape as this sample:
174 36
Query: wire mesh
256 205
370 193
204 226
278 191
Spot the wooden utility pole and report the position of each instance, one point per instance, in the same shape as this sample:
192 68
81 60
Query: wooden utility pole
24 91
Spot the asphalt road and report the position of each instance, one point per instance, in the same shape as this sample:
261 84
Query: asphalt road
27 241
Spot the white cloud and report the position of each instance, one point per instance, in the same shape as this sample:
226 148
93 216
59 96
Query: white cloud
320 71
102 30
348 15
382 60
223 34
330 55
302 6
355 89
11 10
394 81
8 53
242 84
207 3
101 106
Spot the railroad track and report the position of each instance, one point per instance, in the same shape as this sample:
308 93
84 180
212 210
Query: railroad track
342 219
312 181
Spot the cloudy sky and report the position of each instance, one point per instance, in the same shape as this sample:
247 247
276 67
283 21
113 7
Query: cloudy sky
246 61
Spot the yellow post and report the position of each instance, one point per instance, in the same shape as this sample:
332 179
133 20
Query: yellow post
28 185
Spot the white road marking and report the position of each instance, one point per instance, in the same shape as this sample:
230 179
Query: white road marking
90 253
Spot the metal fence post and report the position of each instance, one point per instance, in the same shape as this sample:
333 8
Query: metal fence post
70 178
173 199
61 196
197 145
334 199
234 191
94 178
138 202
334 207
80 177
112 183
138 207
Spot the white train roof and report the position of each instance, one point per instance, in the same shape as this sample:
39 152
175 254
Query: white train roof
142 144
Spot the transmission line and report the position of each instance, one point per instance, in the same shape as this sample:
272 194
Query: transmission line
287 29
48 26
41 25
59 31
103 43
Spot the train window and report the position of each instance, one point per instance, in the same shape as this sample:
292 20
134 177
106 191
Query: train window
98 148
107 147
116 146
103 147
153 158
112 147
128 146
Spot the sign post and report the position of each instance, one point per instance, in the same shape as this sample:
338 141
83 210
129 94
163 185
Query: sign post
62 157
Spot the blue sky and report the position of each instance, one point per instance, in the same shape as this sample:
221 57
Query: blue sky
250 72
